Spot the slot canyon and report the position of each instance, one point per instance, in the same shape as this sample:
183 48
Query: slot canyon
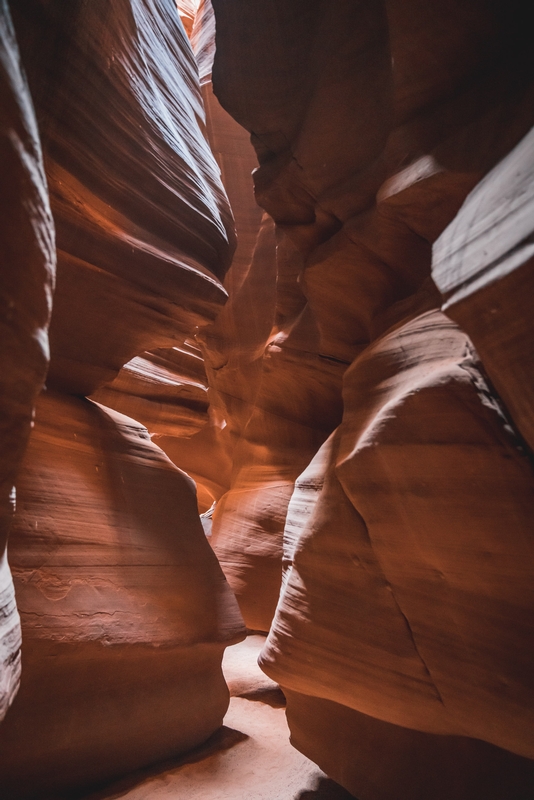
266 400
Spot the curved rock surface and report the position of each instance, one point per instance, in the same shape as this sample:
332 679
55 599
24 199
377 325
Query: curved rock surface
166 390
377 760
187 10
393 148
483 266
355 225
27 267
372 123
144 231
125 611
408 592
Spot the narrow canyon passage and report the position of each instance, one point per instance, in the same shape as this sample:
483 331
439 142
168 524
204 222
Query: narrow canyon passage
250 758
266 400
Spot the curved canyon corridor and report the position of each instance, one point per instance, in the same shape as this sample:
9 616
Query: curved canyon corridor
266 400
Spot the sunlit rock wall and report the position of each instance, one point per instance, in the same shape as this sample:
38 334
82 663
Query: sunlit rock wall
143 224
406 599
125 611
261 359
27 266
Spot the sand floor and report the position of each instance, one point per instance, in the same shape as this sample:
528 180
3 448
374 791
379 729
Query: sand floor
250 758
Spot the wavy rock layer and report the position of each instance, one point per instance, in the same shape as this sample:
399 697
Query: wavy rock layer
483 267
405 600
125 611
27 266
411 596
356 223
143 225
261 359
377 760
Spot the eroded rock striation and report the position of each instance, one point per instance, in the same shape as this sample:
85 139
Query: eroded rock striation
352 396
125 611
27 267
406 598
143 224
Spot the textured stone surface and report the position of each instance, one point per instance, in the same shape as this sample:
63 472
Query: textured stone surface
404 548
408 592
187 10
27 266
166 390
483 265
144 230
356 223
125 611
250 758
378 760
409 598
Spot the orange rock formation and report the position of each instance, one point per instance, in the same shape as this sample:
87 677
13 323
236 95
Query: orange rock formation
352 393
27 267
125 610
407 595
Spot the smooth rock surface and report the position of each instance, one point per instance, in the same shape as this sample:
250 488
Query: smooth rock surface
125 611
483 265
377 760
144 230
409 593
249 759
442 93
409 598
27 268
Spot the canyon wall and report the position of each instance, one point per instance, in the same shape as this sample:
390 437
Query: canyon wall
27 267
125 611
350 388
406 607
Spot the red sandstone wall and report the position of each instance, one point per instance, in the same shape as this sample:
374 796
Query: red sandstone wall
125 611
360 456
406 596
27 268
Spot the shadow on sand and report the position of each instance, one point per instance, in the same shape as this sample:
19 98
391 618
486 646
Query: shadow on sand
223 739
325 790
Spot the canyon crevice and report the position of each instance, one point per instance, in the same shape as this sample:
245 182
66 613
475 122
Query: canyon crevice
273 262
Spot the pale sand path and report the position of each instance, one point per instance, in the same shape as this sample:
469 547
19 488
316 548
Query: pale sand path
249 759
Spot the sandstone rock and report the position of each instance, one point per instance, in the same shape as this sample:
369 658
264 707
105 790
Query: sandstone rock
125 611
166 390
356 223
368 144
187 10
483 267
144 228
296 408
377 760
27 266
408 592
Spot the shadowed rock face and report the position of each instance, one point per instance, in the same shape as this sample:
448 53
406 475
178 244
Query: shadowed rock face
359 454
362 167
27 266
483 266
125 611
406 595
143 224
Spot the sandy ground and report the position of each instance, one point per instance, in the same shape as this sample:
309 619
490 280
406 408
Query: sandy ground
250 758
